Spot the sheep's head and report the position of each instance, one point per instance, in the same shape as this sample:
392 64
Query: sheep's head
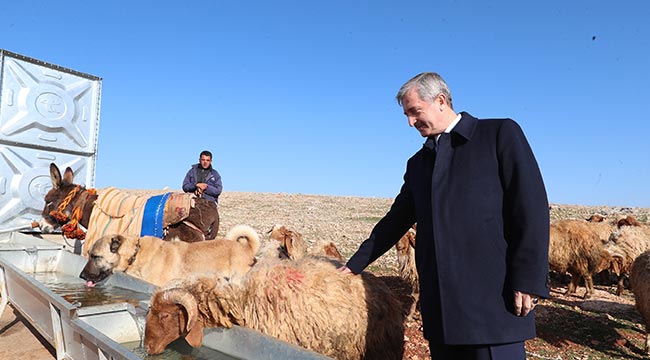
402 246
406 242
607 262
596 218
628 221
617 265
292 245
172 314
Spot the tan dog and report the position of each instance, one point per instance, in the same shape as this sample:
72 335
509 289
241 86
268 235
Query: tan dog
157 261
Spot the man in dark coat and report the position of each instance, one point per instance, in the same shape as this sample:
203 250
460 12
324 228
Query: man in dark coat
478 198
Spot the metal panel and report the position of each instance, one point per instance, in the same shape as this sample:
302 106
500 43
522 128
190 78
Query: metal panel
25 179
45 105
48 113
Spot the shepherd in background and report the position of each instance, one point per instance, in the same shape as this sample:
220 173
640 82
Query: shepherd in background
204 181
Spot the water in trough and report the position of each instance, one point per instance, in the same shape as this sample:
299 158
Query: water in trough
74 290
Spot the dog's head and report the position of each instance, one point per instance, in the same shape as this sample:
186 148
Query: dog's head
109 253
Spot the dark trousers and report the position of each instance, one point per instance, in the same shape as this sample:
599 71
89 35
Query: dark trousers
513 351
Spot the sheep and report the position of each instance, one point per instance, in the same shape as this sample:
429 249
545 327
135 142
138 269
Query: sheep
575 247
604 228
291 245
628 221
307 302
596 218
640 286
624 246
406 269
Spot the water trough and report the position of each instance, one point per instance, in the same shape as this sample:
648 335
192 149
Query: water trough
40 280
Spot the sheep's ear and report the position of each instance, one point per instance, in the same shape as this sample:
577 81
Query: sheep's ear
288 244
617 264
195 336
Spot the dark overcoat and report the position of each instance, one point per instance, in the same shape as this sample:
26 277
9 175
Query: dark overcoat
482 232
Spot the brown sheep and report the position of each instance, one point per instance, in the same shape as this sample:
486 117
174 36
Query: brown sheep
640 284
624 246
628 221
406 269
575 247
292 246
307 302
596 218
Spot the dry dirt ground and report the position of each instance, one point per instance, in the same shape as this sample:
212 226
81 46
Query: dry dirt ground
604 327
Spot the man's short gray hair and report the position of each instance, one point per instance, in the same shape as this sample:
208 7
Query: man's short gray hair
428 85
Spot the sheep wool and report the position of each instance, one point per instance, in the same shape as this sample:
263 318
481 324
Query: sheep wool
307 302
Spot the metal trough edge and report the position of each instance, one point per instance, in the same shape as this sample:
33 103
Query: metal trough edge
83 333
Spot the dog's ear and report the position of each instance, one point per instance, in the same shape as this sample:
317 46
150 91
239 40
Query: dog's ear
116 242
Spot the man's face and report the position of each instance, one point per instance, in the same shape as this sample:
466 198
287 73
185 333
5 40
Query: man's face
425 116
205 161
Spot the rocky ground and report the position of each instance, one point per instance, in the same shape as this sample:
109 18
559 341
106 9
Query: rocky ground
604 327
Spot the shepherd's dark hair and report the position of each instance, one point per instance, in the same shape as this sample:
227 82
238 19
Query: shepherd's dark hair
206 153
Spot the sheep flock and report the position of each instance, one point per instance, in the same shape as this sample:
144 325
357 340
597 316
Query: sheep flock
583 249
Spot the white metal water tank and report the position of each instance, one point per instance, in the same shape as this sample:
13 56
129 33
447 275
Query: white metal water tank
48 113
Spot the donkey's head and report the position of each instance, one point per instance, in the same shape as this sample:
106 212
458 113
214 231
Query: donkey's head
56 213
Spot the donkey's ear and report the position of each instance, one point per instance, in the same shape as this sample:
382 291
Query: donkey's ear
55 176
68 175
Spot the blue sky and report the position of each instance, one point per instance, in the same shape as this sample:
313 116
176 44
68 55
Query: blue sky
298 96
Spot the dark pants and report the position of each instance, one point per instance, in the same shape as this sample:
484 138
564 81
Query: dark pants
513 351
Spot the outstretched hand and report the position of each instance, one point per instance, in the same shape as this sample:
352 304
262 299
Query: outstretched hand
344 269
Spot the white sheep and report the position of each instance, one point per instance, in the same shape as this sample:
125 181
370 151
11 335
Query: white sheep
624 245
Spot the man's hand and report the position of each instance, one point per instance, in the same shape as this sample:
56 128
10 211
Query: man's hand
524 303
344 269
200 188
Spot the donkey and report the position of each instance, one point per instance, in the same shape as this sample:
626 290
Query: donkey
68 205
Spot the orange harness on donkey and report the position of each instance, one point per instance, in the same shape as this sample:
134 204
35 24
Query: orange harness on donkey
117 212
71 229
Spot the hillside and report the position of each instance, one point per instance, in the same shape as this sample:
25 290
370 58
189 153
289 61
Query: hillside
346 220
